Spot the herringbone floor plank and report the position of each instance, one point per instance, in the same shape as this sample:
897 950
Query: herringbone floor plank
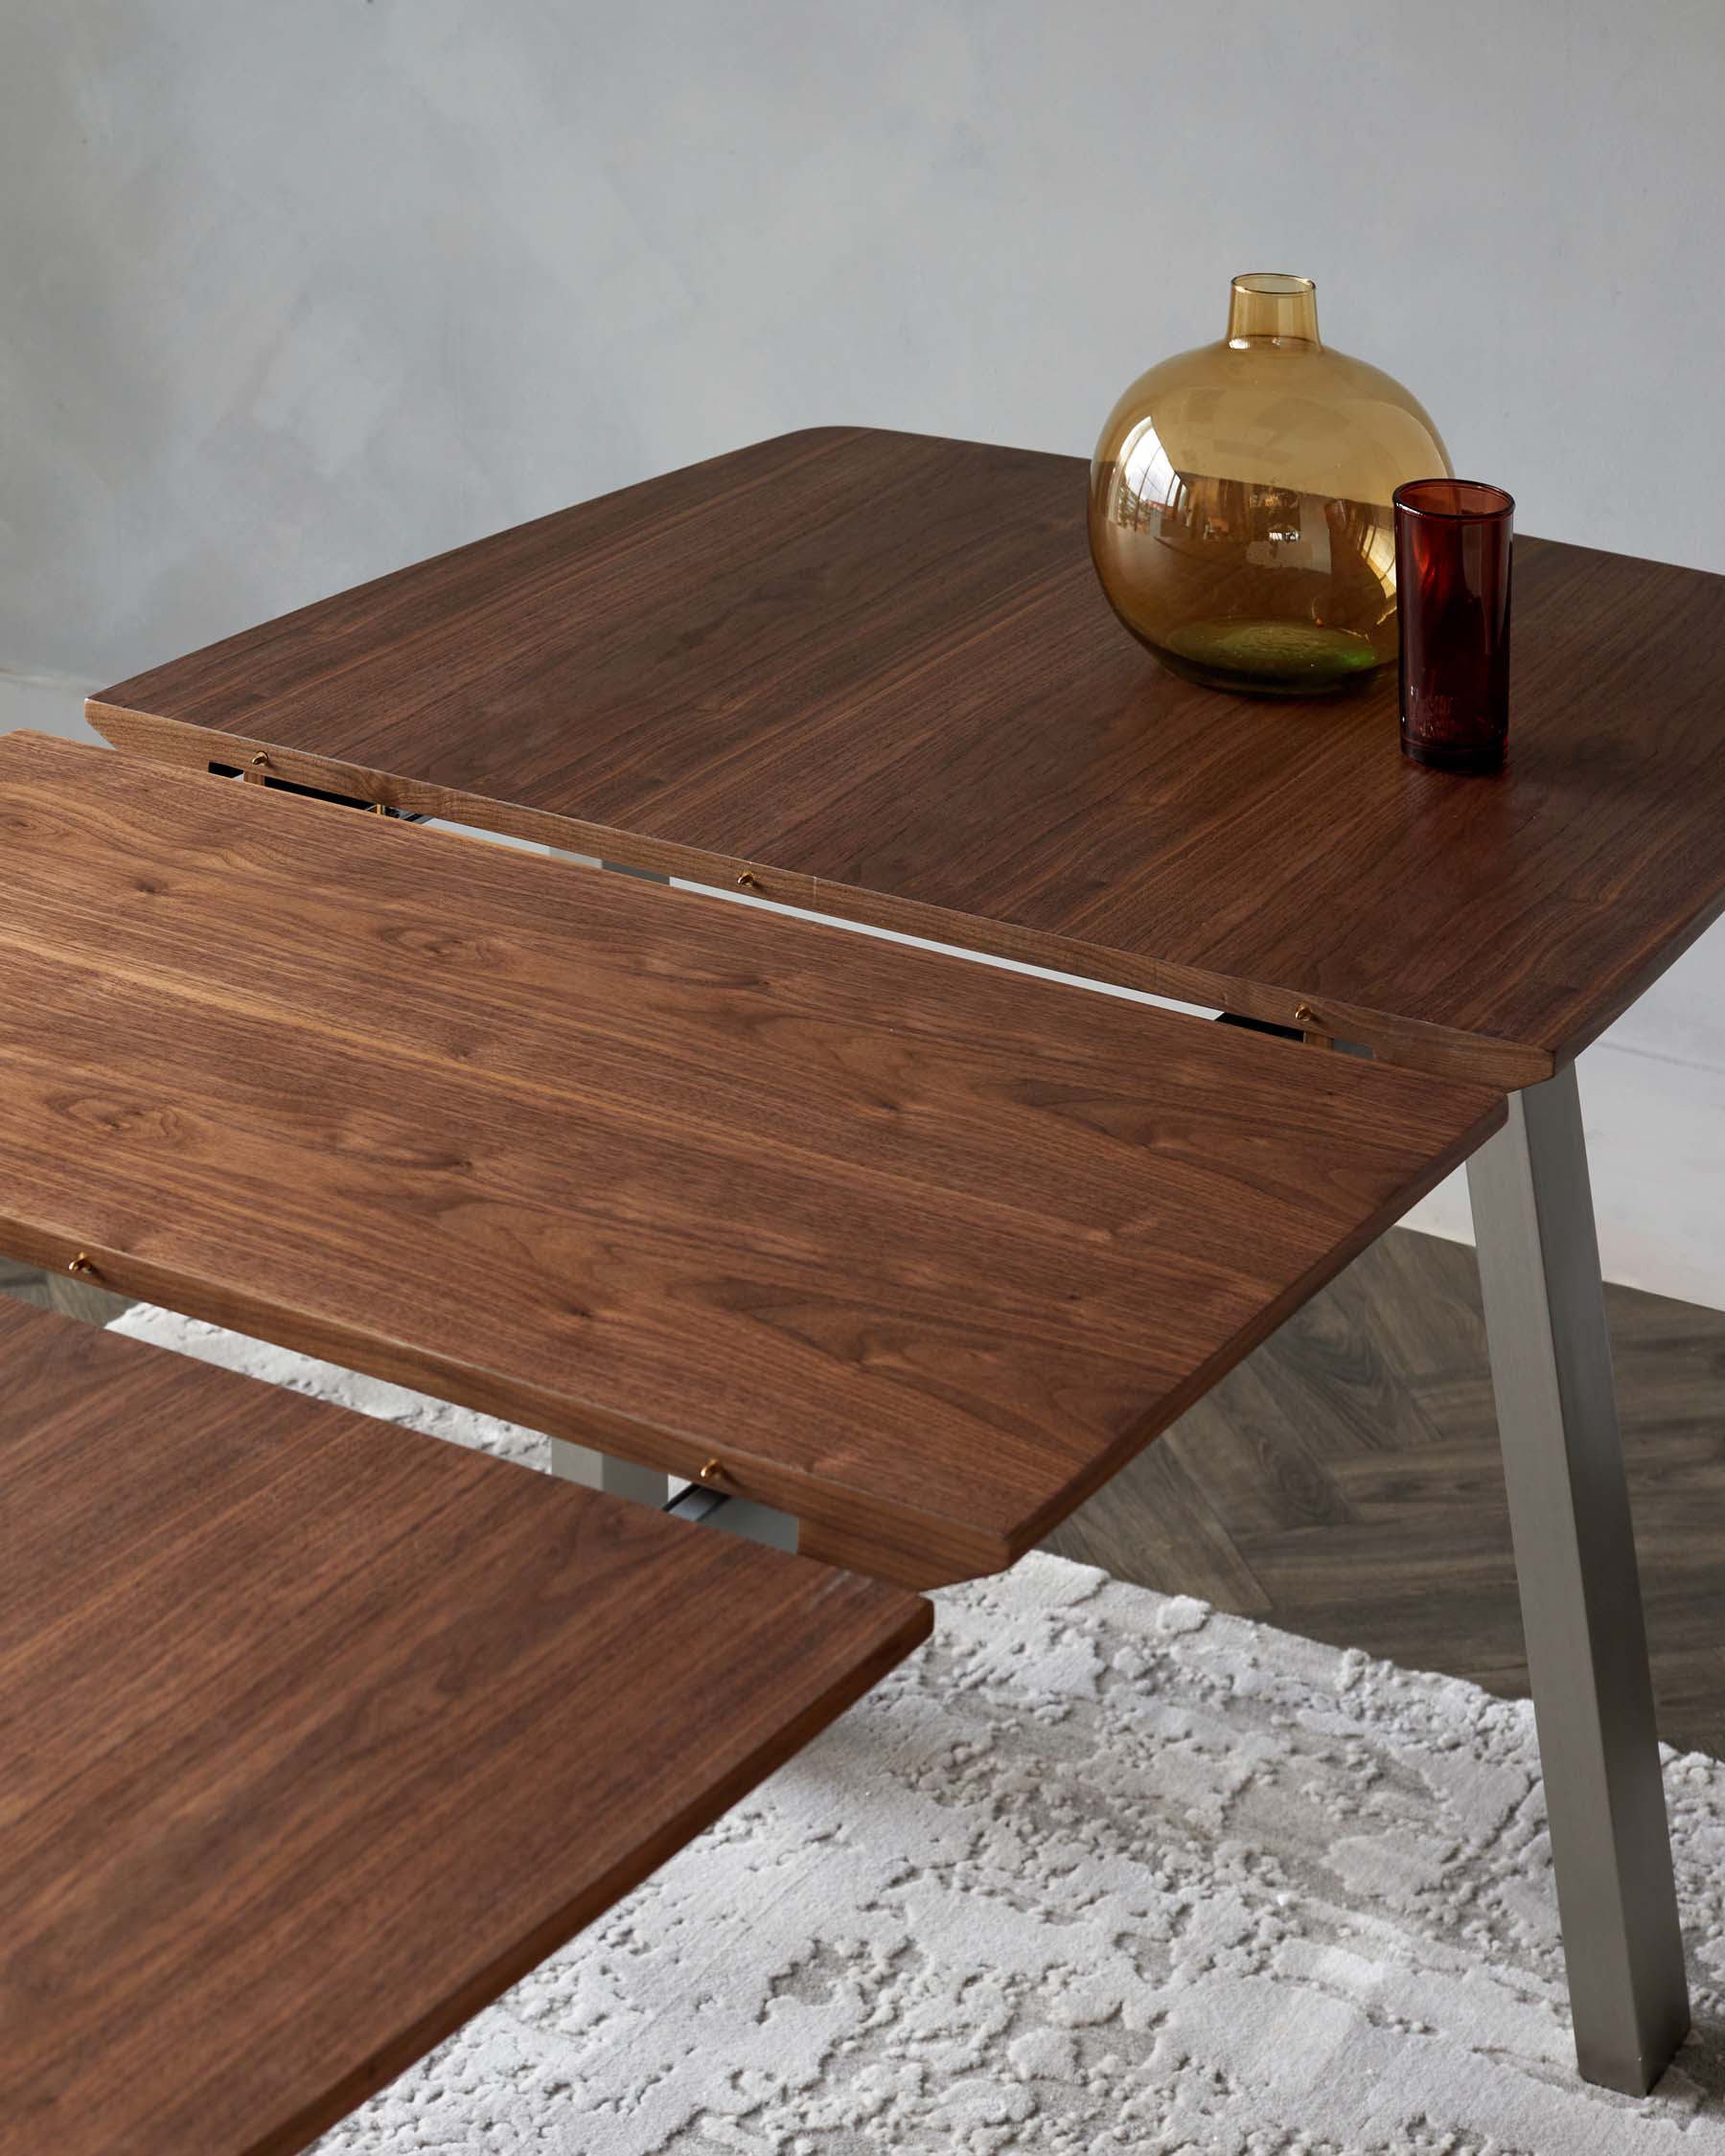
1343 1483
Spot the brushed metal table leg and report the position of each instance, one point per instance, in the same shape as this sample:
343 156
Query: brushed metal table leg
1580 1590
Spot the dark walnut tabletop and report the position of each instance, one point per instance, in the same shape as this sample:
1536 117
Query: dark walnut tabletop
919 1250
318 1733
874 672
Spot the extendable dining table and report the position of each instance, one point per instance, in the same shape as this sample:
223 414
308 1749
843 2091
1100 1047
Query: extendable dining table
916 1255
914 1252
329 1733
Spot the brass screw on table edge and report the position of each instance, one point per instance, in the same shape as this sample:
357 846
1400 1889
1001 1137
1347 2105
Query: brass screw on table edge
712 1472
261 757
1304 1015
747 881
83 1265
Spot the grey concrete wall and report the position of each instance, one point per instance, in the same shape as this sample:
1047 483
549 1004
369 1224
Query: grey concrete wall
295 291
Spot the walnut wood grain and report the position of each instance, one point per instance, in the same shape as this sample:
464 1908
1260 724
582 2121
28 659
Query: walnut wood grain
875 672
919 1251
318 1733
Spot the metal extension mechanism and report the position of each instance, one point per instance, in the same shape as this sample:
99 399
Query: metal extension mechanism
733 1516
696 1501
695 1505
1580 1590
604 1471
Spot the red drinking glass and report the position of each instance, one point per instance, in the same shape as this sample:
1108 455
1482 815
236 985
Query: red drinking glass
1452 539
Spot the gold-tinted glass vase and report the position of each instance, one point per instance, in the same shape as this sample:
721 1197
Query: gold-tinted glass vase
1240 514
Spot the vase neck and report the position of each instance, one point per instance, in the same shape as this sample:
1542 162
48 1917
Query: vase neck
1265 306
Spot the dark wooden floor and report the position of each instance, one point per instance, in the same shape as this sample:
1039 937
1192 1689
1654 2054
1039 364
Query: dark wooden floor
1345 1483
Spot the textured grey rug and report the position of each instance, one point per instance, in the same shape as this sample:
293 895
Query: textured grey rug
1099 1870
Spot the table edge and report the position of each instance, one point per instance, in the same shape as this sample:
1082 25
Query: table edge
1438 1050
